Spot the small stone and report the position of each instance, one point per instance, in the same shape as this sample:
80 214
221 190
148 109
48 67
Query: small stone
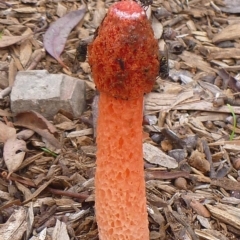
47 93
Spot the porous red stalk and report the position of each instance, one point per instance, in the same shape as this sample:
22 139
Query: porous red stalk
124 62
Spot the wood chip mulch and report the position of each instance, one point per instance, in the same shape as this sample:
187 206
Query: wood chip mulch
191 127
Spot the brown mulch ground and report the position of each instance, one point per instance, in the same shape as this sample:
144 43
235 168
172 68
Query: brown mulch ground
191 122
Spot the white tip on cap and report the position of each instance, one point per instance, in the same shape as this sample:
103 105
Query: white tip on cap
127 15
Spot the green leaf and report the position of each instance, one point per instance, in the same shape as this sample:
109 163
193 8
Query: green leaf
49 152
234 121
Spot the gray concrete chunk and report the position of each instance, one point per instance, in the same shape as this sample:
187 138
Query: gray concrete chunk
47 93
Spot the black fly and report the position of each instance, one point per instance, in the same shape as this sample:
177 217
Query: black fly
80 55
81 51
121 63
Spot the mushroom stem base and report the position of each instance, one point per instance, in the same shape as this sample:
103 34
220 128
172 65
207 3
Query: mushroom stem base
120 187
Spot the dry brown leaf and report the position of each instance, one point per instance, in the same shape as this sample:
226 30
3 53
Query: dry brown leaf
26 192
38 124
6 41
25 49
61 10
25 134
231 6
157 28
30 220
66 126
14 153
55 37
16 225
6 132
99 14
84 141
60 231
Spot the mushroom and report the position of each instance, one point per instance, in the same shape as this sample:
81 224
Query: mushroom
124 62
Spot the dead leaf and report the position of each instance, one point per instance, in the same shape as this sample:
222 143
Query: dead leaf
99 13
60 231
13 153
66 126
42 235
30 221
25 49
25 134
38 124
26 192
55 37
157 28
231 6
16 225
61 10
6 132
6 41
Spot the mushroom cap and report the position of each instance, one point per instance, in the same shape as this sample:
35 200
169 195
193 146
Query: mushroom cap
124 55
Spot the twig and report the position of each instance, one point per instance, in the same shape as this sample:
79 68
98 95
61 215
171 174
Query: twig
149 175
15 177
36 60
209 158
5 92
80 196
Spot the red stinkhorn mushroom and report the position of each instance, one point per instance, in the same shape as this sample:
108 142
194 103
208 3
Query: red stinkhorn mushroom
124 62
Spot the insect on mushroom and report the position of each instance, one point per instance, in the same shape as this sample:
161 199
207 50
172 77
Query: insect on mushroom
164 66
